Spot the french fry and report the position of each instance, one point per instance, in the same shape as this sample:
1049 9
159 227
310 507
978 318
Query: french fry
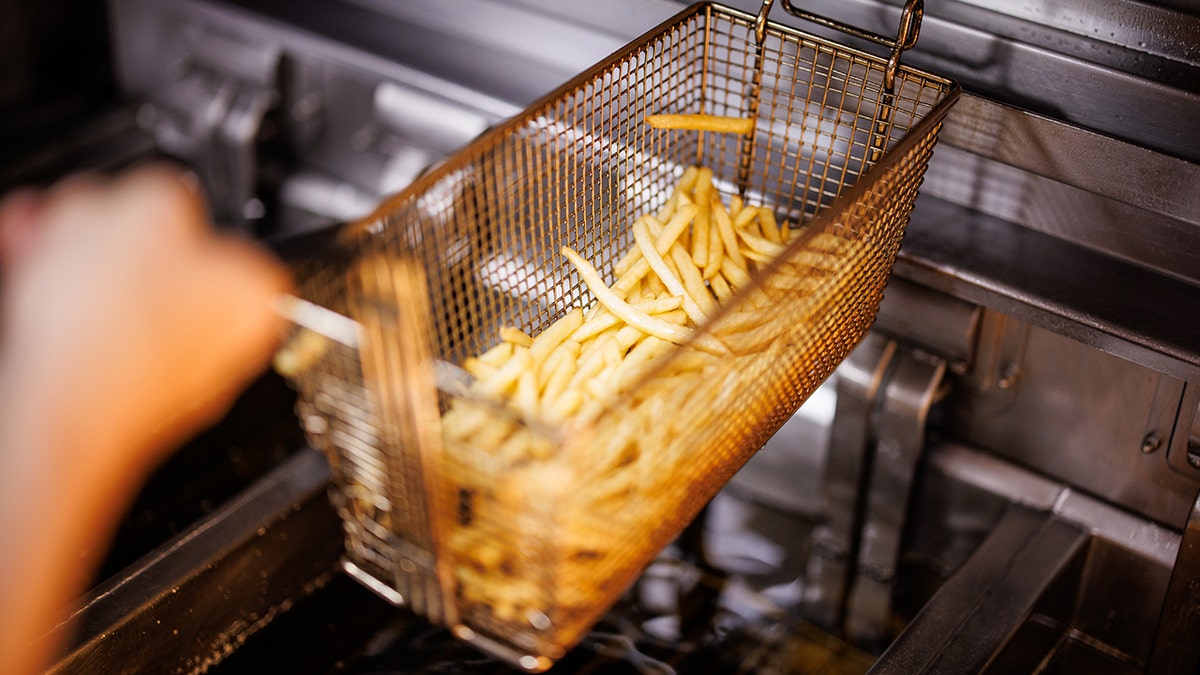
629 314
726 231
560 330
641 235
693 282
762 245
700 122
506 376
716 252
686 259
770 228
515 336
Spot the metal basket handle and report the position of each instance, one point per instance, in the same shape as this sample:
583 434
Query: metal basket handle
906 35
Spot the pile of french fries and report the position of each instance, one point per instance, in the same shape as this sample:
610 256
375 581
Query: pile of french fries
534 529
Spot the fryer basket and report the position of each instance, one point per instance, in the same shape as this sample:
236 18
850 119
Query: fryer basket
522 551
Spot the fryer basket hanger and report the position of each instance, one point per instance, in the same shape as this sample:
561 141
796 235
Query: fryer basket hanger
906 35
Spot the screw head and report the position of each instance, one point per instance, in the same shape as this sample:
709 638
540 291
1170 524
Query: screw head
1151 442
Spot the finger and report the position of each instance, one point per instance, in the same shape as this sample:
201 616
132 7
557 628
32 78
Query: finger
163 194
19 212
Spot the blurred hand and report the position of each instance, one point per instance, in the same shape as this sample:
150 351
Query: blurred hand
124 308
126 325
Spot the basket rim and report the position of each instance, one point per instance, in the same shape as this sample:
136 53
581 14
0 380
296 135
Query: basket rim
423 183
821 221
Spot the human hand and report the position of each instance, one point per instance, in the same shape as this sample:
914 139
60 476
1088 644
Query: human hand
126 324
127 315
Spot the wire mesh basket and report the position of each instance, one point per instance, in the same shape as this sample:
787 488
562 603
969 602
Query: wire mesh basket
519 531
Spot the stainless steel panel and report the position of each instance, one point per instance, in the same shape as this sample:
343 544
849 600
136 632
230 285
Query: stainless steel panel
930 321
1103 608
1176 649
1082 416
992 475
912 387
1119 308
1017 572
187 605
834 540
1076 185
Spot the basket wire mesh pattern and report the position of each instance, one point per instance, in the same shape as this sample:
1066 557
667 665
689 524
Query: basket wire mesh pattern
523 553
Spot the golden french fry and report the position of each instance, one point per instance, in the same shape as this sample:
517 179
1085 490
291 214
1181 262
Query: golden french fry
506 376
554 362
701 122
735 206
560 330
525 398
761 245
770 228
515 336
700 228
716 252
737 276
725 229
720 287
744 218
693 282
497 356
641 235
630 315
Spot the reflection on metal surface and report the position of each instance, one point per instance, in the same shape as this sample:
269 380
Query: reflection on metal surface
1021 573
1100 608
1082 415
860 379
1176 649
914 384
1071 183
190 603
1128 311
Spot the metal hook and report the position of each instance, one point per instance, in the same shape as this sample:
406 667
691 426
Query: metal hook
906 35
906 38
760 24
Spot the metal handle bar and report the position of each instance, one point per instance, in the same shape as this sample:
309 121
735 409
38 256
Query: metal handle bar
906 35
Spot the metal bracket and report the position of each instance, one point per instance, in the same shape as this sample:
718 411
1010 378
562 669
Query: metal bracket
915 383
1176 647
877 438
860 379
213 113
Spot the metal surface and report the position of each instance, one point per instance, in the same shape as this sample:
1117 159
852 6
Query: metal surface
1012 483
930 321
1183 442
835 538
291 125
1118 590
1014 574
1050 283
914 384
190 603
1176 649
1079 415
1073 184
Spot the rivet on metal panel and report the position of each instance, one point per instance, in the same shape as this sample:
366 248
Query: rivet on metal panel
1151 442
1009 375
